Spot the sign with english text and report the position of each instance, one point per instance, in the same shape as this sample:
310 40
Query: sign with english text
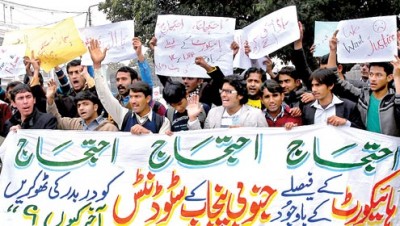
272 32
180 39
238 176
12 61
116 37
371 39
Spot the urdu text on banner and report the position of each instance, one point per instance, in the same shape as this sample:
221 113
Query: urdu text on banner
244 176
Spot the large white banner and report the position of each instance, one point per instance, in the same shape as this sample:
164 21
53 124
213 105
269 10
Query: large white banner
371 39
272 32
117 37
312 175
12 60
180 39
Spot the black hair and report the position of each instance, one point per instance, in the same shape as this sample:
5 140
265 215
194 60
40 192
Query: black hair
272 86
20 88
73 63
90 96
255 70
12 84
174 92
141 87
240 86
134 75
290 71
323 76
387 67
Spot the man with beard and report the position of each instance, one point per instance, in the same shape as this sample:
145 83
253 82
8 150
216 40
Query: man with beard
126 76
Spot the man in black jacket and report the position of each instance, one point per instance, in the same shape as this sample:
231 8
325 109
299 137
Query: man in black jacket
27 117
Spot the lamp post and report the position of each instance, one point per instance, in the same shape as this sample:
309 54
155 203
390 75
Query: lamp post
89 14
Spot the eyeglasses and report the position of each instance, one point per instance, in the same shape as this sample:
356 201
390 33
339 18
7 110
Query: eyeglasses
227 91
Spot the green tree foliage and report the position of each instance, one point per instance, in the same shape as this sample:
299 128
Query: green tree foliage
145 12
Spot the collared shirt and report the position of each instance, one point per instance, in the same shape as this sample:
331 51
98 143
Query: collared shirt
93 124
142 119
125 100
322 114
281 113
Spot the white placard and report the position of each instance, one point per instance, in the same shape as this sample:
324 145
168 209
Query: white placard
241 60
12 60
323 31
180 39
272 32
117 37
371 39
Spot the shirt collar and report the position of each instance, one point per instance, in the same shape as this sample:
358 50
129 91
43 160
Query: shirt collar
148 116
94 123
281 113
335 100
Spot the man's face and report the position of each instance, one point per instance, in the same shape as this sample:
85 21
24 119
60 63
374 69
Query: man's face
139 102
123 80
364 67
321 91
272 101
87 110
230 98
253 84
25 103
378 78
191 83
287 83
180 106
75 78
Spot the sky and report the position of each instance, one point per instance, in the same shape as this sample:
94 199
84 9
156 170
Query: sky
28 17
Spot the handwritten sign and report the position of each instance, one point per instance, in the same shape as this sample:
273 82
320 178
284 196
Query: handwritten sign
53 46
241 60
272 32
180 39
12 60
243 176
322 33
371 39
117 37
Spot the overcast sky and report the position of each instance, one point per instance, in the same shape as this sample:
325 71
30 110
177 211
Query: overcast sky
25 17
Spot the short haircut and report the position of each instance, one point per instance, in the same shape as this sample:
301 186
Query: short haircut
255 70
240 86
141 87
324 59
134 75
90 96
323 76
73 63
272 86
12 84
290 71
174 92
20 88
346 67
87 95
386 66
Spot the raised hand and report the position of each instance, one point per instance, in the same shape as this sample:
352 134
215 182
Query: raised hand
51 91
96 53
194 107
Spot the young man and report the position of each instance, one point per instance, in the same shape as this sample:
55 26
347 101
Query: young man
277 113
141 119
292 86
126 76
233 113
27 117
378 104
174 93
254 79
88 107
328 108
